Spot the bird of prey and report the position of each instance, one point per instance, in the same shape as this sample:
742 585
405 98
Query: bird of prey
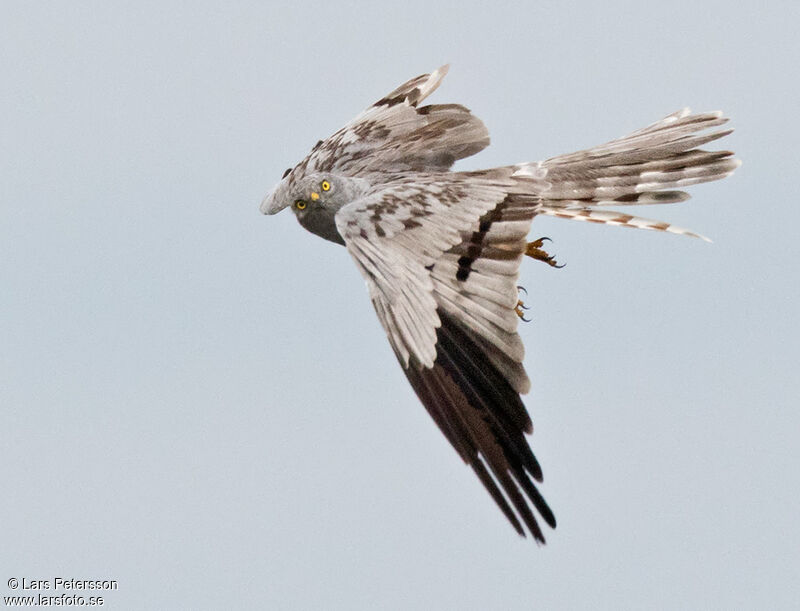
441 250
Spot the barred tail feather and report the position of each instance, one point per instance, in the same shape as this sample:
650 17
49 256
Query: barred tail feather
642 168
612 217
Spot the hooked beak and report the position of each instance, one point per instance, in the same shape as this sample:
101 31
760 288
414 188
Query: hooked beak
270 205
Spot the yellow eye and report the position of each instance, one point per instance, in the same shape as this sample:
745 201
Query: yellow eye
300 204
326 186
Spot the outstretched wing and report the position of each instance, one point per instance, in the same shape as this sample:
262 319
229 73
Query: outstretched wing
395 134
440 258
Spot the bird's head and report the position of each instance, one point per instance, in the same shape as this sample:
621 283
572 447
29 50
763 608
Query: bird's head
315 199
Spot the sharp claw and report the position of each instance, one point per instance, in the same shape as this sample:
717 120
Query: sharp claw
518 309
535 251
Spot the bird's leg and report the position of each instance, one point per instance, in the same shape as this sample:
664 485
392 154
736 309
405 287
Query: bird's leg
521 306
535 251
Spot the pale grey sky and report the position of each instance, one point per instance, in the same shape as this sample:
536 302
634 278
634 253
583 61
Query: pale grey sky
198 401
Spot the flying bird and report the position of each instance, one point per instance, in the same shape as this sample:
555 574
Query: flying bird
440 251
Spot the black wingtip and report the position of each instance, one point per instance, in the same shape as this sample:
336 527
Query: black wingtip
482 416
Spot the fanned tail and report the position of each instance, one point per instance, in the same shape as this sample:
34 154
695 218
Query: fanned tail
642 168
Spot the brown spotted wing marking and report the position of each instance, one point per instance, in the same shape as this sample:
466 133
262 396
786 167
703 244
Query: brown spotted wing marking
395 135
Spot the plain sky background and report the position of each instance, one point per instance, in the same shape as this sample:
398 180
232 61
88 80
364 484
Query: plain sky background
198 401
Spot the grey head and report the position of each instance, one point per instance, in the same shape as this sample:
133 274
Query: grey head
315 199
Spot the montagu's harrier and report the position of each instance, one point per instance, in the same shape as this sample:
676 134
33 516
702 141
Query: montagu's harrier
441 250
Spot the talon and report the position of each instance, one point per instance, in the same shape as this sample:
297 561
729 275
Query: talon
535 251
519 311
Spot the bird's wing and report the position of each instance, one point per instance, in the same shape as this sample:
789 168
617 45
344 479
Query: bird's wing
395 134
440 260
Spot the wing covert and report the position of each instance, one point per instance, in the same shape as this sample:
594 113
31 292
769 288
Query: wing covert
395 236
396 135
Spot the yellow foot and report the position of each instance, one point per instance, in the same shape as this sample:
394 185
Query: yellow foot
521 306
535 251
